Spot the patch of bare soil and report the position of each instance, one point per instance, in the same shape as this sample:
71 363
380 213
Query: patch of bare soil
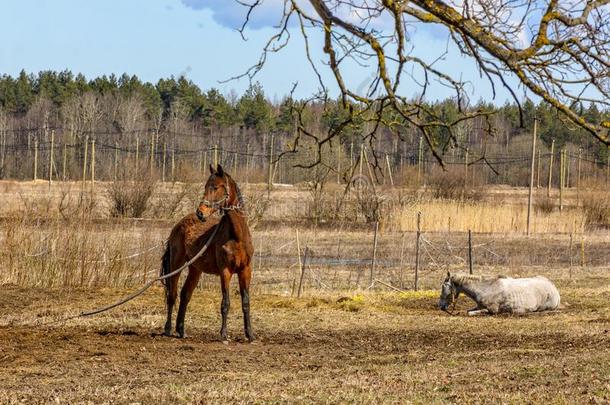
387 348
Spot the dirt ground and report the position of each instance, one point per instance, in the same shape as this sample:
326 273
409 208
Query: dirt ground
337 344
368 348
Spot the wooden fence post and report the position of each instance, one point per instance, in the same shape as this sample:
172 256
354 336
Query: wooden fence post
387 160
301 265
248 162
566 165
361 159
270 175
374 259
466 169
65 159
152 153
418 237
578 167
570 253
163 163
92 164
174 163
402 251
51 158
116 159
35 159
85 162
215 156
548 192
561 177
368 167
419 162
469 251
538 171
531 190
137 155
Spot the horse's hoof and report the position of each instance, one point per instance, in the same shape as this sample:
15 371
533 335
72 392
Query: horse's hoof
250 339
166 333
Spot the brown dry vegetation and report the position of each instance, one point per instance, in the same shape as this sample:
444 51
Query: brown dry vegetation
340 342
388 348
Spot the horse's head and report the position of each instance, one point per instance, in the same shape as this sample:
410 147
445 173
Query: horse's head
219 194
449 293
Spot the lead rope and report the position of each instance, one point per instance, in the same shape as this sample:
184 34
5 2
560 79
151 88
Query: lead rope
141 290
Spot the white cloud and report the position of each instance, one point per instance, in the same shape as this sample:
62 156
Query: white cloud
231 14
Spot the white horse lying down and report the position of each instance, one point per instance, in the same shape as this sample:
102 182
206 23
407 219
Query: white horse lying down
500 294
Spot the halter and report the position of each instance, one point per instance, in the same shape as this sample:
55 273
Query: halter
454 298
218 205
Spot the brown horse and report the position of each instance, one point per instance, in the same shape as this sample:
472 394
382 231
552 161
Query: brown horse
230 251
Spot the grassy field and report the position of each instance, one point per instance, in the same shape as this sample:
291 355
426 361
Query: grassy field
340 342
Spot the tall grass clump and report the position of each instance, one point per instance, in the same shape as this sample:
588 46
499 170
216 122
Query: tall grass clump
452 185
130 198
485 217
544 205
596 207
77 253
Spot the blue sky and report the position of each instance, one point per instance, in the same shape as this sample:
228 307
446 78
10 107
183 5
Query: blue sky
160 38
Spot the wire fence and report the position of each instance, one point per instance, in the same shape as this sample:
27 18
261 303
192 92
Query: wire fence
338 260
58 154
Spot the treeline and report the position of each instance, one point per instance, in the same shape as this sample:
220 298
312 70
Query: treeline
176 116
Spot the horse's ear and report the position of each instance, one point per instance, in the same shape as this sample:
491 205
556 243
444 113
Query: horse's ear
212 169
219 170
448 276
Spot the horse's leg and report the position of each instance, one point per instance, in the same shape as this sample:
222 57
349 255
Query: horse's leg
172 259
185 296
245 275
474 312
171 291
225 282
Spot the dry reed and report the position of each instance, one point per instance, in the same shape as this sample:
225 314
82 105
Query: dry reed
482 217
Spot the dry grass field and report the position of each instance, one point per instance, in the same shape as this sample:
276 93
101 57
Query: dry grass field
372 348
340 342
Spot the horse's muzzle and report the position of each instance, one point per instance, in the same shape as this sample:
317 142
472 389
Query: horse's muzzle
443 306
200 215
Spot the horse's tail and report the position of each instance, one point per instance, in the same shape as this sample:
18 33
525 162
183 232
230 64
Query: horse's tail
165 263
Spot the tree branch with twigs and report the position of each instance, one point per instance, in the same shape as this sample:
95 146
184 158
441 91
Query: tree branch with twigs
557 50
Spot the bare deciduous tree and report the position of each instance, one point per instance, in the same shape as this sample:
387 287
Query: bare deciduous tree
72 117
557 50
130 114
3 129
90 111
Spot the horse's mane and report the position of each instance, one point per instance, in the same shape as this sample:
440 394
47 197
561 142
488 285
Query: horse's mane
461 278
239 195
